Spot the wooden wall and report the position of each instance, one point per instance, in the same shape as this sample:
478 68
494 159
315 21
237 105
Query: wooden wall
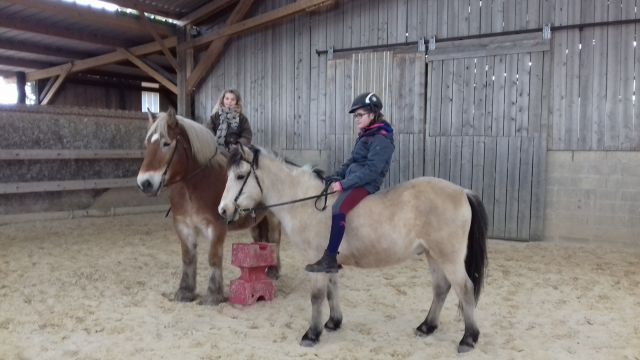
593 104
291 99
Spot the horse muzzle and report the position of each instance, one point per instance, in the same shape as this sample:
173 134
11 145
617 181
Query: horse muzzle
147 186
230 214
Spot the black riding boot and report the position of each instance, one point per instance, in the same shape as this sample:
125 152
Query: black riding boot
327 264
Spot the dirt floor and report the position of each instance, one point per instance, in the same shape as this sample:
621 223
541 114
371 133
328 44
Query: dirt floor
98 288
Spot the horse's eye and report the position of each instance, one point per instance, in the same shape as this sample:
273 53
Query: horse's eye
240 177
166 144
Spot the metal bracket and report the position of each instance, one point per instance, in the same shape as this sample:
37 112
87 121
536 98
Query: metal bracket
422 47
546 32
330 53
432 43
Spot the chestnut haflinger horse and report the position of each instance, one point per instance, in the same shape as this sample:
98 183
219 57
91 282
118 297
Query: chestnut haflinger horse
425 215
182 155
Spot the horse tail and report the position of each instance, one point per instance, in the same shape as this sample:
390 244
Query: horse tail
476 259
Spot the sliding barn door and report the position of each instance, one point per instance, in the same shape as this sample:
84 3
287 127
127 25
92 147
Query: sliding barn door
487 130
399 79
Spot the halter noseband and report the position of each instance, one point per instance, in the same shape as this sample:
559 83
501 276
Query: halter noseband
324 194
252 169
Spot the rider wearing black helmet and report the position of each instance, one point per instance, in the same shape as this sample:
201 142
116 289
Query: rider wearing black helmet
361 175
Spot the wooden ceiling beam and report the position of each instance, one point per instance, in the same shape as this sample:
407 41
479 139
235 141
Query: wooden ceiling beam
110 58
146 68
23 63
257 21
84 14
7 75
212 55
158 39
39 49
206 11
44 29
52 92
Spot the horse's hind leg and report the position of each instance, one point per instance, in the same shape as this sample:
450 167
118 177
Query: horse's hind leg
318 293
187 289
215 291
463 287
440 286
335 314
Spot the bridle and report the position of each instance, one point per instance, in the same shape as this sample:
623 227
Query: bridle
163 178
252 211
163 182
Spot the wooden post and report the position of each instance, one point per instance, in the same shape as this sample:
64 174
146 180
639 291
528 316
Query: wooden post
185 65
21 78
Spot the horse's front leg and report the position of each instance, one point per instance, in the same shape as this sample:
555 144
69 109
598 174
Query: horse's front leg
335 314
318 294
187 290
268 230
216 234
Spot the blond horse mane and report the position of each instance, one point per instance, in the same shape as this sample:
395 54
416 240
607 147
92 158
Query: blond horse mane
203 142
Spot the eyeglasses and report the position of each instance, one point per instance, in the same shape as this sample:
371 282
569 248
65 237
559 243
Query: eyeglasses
359 115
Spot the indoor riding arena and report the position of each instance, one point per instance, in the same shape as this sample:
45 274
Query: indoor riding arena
530 104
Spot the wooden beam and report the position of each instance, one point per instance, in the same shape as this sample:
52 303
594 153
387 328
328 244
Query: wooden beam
20 84
146 68
84 14
23 63
258 21
65 185
170 42
56 86
65 154
212 55
80 213
171 76
45 29
185 60
39 49
105 59
205 11
156 37
46 89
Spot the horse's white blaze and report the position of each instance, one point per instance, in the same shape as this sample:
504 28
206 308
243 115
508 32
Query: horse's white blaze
155 138
154 177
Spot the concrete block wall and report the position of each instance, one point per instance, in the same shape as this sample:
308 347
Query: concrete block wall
593 196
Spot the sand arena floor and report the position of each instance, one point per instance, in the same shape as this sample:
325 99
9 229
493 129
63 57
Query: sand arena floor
97 288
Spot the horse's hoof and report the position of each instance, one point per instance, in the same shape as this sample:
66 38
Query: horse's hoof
212 300
333 324
425 330
309 340
465 348
468 342
184 296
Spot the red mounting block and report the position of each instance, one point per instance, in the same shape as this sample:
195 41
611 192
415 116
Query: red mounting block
253 284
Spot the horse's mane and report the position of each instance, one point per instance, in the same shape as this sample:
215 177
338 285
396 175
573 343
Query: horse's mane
237 156
203 142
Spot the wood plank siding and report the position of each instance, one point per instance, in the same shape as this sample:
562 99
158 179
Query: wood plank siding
480 112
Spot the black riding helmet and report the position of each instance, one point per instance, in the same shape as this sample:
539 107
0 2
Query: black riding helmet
367 100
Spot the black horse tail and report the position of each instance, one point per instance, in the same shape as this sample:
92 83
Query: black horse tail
476 260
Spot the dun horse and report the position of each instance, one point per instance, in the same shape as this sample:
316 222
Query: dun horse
182 155
426 215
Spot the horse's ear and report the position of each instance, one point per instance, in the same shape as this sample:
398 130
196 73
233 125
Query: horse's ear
151 119
171 117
